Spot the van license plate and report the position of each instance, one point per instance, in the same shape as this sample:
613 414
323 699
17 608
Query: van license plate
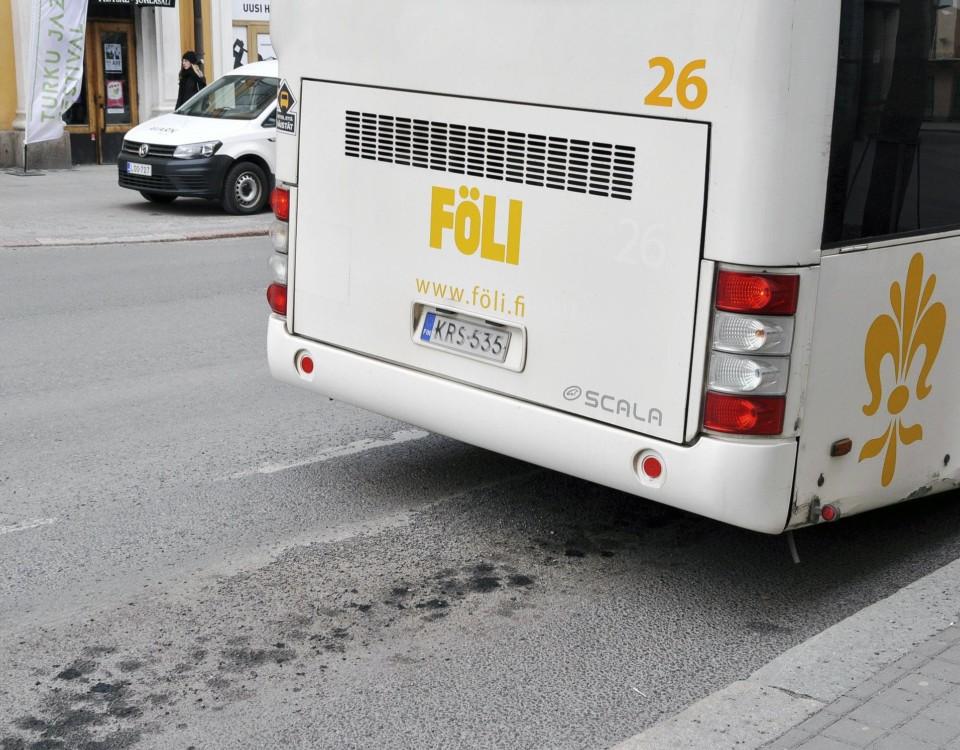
473 339
144 169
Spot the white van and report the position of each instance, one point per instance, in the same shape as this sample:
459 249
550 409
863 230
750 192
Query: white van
220 145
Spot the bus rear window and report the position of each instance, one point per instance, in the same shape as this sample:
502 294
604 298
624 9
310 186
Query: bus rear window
895 154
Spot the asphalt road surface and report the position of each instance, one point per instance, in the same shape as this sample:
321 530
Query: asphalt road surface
192 556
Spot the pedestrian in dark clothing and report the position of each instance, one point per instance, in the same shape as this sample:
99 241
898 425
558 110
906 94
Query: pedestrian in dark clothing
191 77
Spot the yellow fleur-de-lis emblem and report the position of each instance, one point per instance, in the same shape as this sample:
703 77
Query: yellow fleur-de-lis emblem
916 324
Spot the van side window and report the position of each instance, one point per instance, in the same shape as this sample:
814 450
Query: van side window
270 121
895 153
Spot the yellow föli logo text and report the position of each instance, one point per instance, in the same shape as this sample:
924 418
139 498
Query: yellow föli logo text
474 224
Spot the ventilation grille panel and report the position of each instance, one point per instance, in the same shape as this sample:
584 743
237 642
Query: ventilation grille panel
132 147
576 165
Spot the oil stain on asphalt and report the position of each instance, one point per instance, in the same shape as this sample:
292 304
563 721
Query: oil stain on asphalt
105 699
481 566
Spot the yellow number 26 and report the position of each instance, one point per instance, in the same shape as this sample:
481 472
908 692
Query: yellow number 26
687 82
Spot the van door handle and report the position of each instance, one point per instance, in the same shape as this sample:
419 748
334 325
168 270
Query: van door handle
272 140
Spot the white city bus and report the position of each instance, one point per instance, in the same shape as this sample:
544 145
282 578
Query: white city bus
706 253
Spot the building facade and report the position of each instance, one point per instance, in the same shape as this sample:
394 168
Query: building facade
131 67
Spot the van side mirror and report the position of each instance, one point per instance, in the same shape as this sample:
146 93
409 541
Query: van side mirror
270 121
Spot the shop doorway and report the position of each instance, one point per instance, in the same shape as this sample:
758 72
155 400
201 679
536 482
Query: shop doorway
107 107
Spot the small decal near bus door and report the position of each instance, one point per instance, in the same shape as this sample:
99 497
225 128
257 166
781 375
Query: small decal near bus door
917 323
286 118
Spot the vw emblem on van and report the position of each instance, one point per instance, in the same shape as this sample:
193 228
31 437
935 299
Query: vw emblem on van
144 149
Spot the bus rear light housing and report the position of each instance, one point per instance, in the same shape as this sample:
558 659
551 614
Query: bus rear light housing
731 373
278 265
277 298
744 415
280 203
758 293
749 363
280 236
742 334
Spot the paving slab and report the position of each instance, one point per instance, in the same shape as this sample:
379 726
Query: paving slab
85 206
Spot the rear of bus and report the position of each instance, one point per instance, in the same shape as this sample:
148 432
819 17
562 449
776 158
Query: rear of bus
587 235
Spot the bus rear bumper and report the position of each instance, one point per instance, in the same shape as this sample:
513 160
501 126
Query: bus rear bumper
743 483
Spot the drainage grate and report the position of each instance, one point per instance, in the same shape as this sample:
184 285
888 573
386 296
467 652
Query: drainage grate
577 165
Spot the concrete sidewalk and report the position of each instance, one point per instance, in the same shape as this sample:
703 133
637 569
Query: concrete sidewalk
85 206
887 678
914 704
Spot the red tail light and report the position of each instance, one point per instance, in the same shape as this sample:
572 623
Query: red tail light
280 203
652 467
829 513
744 415
770 294
277 297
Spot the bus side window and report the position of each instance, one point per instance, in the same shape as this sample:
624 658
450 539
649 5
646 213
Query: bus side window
895 154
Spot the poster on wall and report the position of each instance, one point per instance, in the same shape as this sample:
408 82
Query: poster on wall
241 55
265 48
244 10
239 49
115 101
112 58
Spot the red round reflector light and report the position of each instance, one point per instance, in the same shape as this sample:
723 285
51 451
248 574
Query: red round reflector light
829 513
280 203
652 467
277 297
742 415
771 294
306 364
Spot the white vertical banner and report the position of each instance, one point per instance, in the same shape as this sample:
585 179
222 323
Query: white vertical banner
58 28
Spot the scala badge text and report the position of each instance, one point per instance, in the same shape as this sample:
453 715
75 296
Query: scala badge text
475 227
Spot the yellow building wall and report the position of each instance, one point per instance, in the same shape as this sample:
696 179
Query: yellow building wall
8 69
186 25
186 34
209 72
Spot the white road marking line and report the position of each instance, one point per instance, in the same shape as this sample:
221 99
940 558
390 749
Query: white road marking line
26 525
351 449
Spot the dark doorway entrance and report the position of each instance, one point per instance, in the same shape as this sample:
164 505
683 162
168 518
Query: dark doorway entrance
107 107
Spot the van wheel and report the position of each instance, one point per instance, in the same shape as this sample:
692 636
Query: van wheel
158 197
245 189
